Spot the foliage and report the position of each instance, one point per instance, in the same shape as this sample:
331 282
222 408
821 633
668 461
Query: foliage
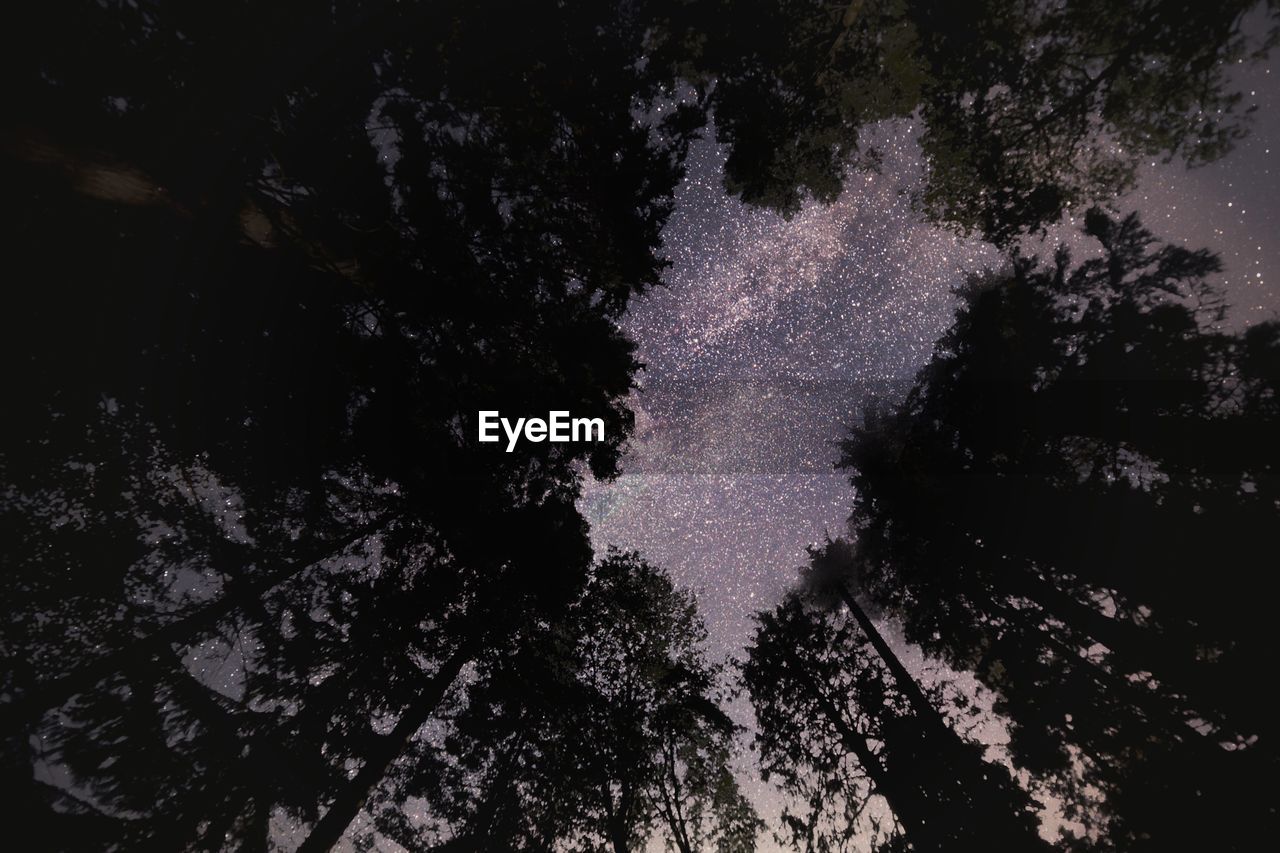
1026 108
1073 503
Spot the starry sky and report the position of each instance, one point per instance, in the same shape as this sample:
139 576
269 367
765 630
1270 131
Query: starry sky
770 334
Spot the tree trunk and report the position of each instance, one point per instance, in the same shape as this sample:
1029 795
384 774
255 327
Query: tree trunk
618 838
329 830
906 683
975 802
902 802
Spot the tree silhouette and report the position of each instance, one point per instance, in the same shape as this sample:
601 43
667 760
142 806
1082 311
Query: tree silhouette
1043 508
1026 108
600 728
838 712
276 261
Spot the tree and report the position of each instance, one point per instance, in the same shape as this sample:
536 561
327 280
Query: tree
275 261
602 728
841 721
1069 503
1026 108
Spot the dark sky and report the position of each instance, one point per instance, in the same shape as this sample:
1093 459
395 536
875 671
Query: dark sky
769 333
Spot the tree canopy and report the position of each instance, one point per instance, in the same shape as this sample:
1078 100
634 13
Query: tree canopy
1026 108
605 728
1073 503
269 278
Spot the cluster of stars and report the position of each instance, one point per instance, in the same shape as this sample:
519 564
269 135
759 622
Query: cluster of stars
769 336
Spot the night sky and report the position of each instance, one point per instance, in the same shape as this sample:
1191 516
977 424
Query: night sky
770 333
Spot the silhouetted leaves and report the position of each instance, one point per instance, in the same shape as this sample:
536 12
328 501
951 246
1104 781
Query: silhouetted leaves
273 262
602 729
1074 502
1027 108
845 730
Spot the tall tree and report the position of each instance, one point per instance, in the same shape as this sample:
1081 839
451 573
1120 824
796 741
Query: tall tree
829 692
1069 504
276 260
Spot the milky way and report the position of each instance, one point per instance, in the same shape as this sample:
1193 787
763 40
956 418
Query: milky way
757 352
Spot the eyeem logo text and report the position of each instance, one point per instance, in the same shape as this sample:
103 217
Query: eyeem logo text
558 427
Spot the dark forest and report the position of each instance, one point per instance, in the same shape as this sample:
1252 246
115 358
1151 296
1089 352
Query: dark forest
264 590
